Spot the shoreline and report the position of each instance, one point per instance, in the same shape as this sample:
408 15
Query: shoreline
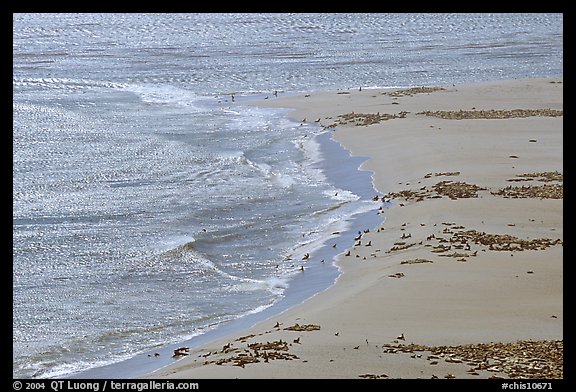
460 265
339 166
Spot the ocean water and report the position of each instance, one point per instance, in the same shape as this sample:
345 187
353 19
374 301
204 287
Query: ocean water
152 204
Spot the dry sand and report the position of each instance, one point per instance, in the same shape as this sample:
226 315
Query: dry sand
463 278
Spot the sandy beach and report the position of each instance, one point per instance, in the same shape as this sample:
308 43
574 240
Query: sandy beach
464 276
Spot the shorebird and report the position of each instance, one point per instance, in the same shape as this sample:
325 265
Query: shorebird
401 337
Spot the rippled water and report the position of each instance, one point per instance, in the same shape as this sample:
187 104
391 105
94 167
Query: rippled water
149 206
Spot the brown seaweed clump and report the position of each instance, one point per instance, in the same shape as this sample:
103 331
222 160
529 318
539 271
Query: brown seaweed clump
542 176
257 352
305 327
492 114
412 91
365 119
522 359
505 242
547 191
457 190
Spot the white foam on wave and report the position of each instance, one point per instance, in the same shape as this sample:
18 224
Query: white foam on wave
261 168
66 83
174 242
313 157
274 284
341 195
166 95
70 369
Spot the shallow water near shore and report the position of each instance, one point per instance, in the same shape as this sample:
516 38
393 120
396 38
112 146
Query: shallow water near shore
150 205
319 270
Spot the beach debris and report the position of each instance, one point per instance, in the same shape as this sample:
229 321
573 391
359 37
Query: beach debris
541 176
242 339
453 190
257 352
397 275
181 351
547 191
455 254
412 91
457 190
373 376
416 261
401 337
506 242
365 119
275 345
492 114
305 327
456 173
400 247
522 359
